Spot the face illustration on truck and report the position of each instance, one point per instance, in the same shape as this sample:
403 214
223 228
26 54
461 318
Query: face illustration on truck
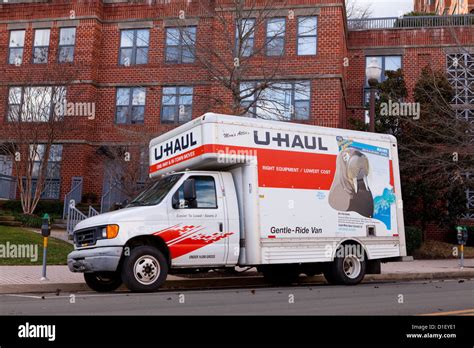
350 189
231 191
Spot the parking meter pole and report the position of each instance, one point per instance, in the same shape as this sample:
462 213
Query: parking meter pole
45 232
462 236
45 253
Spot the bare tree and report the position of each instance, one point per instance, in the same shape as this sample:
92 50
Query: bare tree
435 146
35 122
231 57
354 10
126 168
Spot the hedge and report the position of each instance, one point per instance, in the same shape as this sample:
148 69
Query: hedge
413 237
51 207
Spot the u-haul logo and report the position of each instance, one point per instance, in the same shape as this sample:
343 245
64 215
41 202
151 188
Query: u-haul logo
293 141
174 146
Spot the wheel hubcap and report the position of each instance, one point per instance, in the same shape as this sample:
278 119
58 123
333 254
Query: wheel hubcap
352 266
146 269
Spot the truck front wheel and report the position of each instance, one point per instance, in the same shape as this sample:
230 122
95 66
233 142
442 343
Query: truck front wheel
348 268
145 270
103 281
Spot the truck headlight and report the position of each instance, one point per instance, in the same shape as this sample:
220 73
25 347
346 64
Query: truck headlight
110 231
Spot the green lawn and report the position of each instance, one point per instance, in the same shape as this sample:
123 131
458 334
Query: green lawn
11 238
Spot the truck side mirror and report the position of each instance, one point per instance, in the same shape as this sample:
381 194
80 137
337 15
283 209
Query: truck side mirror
189 190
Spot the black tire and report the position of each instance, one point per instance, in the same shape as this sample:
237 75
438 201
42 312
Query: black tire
348 267
103 281
145 270
280 274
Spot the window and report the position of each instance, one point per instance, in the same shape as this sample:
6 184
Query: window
67 40
276 36
15 45
177 104
180 45
205 194
35 104
134 46
307 36
130 105
53 169
155 193
387 63
282 101
41 46
245 37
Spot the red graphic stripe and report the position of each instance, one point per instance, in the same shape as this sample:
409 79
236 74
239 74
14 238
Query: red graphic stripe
392 178
177 159
195 242
186 239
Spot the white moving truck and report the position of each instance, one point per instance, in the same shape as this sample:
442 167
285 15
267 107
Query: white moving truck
233 191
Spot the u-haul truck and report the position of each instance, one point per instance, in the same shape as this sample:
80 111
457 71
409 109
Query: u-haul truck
232 191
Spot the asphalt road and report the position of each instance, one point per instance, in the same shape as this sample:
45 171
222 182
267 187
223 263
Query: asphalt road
405 298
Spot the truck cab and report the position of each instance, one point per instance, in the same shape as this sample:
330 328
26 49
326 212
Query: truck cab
190 217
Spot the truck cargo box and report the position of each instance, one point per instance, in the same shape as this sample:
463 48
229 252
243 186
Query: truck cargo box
302 189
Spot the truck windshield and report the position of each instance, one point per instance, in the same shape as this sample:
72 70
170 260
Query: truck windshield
155 193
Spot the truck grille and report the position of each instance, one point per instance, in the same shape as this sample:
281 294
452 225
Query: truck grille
85 237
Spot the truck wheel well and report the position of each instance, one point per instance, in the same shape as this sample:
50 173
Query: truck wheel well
156 242
356 243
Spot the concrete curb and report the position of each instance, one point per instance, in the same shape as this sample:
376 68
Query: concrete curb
233 282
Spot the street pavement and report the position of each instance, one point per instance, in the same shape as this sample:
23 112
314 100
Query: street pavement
439 297
20 279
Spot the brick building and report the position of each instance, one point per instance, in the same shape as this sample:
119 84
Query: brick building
445 7
122 58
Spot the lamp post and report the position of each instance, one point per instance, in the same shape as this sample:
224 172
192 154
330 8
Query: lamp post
373 73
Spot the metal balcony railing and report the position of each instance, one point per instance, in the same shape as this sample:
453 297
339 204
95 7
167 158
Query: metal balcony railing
410 22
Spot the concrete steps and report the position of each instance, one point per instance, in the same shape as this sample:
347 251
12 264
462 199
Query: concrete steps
59 224
8 220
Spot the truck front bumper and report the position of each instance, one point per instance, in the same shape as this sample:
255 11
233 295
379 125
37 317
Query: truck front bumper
105 259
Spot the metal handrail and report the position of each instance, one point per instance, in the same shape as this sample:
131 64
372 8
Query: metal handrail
410 22
92 211
67 197
74 216
105 196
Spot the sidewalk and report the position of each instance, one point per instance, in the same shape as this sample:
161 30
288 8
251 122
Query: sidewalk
55 233
17 279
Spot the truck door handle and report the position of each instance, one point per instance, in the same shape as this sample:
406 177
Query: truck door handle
221 227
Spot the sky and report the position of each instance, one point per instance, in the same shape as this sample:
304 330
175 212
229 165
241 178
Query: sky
387 8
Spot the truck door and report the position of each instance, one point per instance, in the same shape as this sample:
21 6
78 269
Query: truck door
202 236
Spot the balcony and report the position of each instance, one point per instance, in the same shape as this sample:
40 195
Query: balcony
411 22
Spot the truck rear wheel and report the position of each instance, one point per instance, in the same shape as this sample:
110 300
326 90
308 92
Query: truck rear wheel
348 268
103 281
145 270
